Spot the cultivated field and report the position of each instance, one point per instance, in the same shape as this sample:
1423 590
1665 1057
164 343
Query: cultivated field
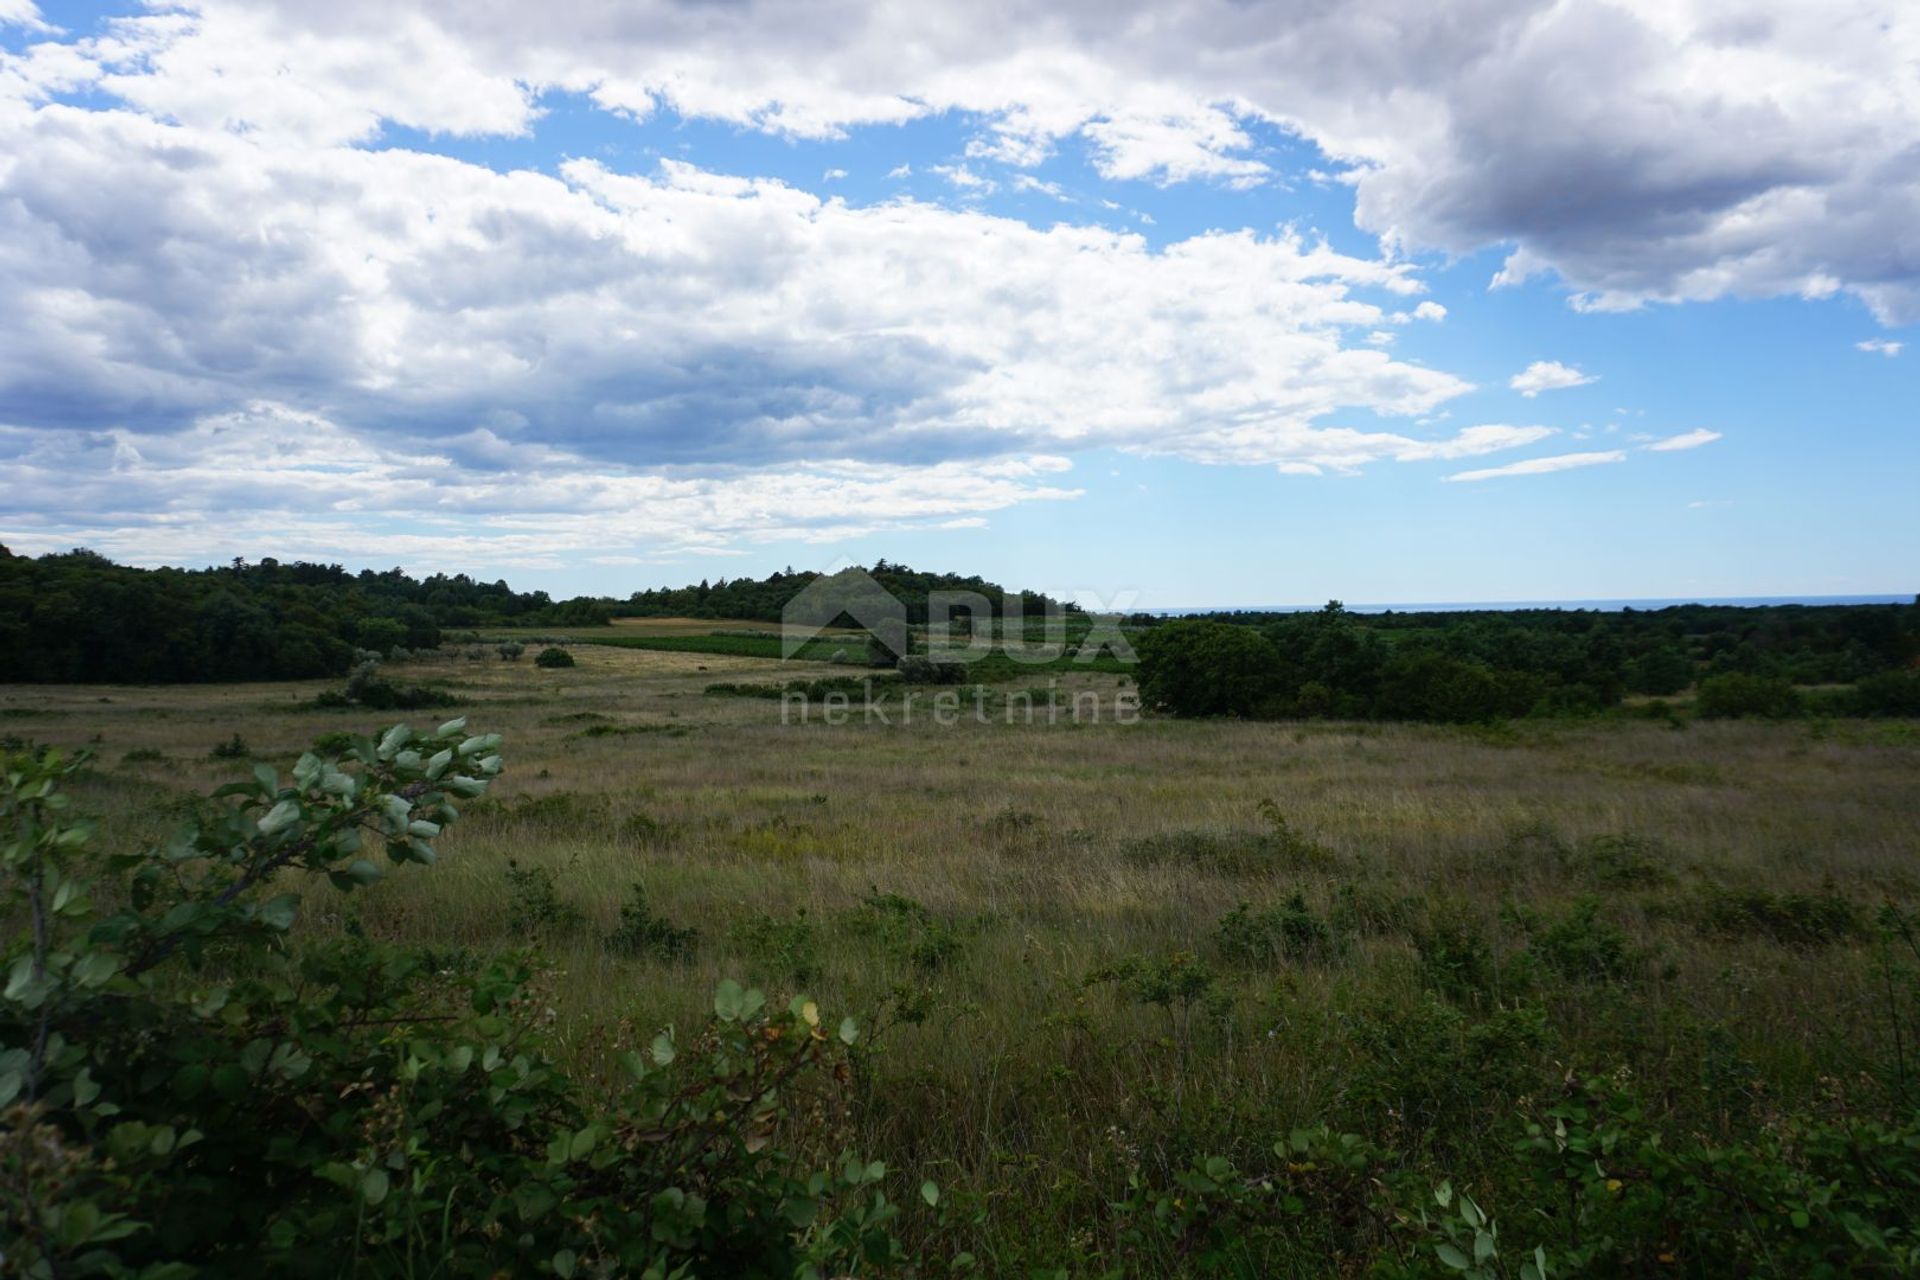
1028 918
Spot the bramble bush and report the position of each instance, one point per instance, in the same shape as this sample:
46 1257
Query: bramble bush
186 1090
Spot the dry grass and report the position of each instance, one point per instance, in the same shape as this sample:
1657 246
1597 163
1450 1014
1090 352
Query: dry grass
1024 841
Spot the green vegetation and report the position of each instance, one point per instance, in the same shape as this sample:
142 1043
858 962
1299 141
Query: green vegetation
184 1093
1471 668
1572 995
77 616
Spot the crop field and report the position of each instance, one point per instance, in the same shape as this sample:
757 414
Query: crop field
1090 958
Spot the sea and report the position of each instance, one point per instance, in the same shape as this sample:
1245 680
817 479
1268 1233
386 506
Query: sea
1602 606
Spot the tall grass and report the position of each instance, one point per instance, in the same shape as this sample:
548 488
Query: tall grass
1693 908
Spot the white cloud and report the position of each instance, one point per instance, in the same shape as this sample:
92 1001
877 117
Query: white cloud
1696 148
270 476
24 13
1541 466
966 179
900 171
833 175
1548 375
704 334
1027 182
1685 440
1880 346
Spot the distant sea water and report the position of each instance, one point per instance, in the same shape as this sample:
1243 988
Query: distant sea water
1603 606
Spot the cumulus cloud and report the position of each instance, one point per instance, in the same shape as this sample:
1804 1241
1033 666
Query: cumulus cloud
1541 466
1880 347
1685 440
1639 149
1548 375
267 475
558 332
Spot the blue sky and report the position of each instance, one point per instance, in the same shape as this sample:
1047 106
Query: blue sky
602 302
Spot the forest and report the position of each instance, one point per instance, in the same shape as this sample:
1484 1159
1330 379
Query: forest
77 616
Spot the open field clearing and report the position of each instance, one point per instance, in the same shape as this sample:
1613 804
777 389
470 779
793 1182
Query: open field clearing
1042 925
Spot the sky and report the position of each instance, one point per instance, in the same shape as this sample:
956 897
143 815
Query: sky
1183 303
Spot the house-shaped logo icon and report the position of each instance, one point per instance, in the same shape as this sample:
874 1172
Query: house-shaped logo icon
851 596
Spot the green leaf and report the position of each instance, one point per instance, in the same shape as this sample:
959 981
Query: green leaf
848 1031
728 1000
662 1049
280 817
1452 1257
563 1263
930 1193
278 912
373 1185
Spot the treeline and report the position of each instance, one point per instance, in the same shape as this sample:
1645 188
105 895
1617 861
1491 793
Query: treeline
765 599
77 617
1475 666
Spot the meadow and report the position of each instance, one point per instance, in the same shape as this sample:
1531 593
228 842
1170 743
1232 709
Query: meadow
1105 971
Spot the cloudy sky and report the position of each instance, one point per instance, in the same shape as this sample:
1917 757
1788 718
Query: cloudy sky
1208 301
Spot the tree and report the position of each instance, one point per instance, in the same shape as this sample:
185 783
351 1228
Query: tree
1206 668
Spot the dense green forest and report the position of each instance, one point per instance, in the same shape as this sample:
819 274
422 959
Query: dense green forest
77 616
763 599
1468 666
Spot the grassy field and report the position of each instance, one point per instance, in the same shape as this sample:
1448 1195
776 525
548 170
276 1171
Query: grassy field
1028 917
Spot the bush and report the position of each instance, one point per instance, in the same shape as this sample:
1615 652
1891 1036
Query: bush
905 929
1290 931
1206 668
785 947
1737 694
553 657
185 1089
1890 693
1803 920
234 748
533 904
1582 947
917 668
1431 686
510 650
643 933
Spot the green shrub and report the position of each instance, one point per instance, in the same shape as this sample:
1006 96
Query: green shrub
1457 960
785 947
916 668
510 650
1207 668
186 1090
906 929
1291 931
553 657
1737 694
533 902
1889 693
643 932
1180 984
1802 920
1582 947
234 748
1426 1075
